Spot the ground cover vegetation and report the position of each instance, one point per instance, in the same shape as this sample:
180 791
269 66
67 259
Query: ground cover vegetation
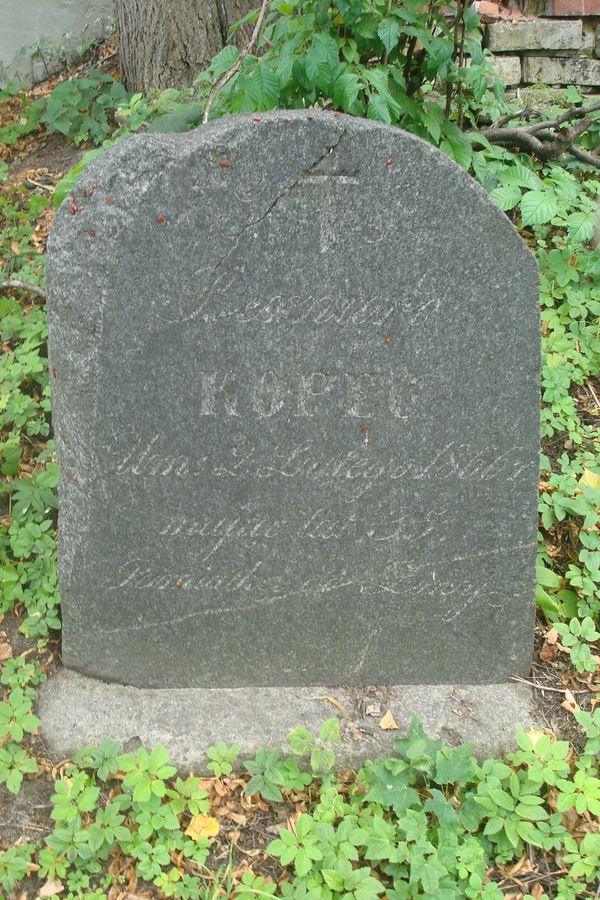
429 821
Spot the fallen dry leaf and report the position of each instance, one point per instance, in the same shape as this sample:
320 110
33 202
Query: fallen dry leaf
387 722
591 478
337 705
551 636
238 818
5 651
570 702
522 867
51 888
202 826
548 652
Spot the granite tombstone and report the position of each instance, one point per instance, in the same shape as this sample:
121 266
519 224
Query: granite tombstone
295 389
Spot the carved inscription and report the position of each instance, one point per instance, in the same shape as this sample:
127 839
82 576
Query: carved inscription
266 394
355 471
316 310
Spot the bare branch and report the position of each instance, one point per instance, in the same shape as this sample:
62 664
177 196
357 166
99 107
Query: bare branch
23 286
585 156
547 139
228 75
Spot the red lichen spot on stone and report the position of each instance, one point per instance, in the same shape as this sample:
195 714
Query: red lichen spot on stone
257 119
389 161
73 477
161 217
289 119
92 233
364 428
84 193
388 340
94 185
225 163
178 583
109 200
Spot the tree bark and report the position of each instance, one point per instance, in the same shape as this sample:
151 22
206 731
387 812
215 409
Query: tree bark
166 43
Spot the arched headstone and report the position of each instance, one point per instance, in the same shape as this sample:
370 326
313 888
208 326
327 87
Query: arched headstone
295 387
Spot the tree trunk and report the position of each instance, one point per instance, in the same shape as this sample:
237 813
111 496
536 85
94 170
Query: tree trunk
166 43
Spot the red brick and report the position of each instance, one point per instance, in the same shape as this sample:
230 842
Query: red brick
488 10
573 8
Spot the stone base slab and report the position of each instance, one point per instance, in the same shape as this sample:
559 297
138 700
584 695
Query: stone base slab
561 70
76 711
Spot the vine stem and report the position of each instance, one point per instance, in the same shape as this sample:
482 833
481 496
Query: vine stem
228 75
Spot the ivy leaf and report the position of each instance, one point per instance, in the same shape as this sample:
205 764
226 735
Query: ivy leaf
538 207
389 32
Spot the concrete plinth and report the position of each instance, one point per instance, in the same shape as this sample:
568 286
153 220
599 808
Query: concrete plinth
76 711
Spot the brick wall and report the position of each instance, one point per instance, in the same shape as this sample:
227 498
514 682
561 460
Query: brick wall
561 46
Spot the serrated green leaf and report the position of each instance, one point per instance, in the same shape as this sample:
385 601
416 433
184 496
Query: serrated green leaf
346 89
580 227
506 196
224 60
456 145
389 33
378 109
538 207
522 176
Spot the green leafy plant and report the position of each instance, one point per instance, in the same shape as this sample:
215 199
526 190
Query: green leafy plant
27 119
80 108
576 635
14 864
321 754
222 758
145 774
15 762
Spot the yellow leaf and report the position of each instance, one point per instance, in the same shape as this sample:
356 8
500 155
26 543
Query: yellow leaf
16 249
387 722
534 735
202 826
592 479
